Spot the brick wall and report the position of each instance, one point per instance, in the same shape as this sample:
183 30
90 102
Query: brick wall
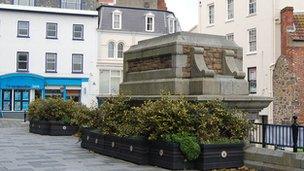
288 76
161 5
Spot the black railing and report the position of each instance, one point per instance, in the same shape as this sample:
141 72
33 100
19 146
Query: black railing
278 135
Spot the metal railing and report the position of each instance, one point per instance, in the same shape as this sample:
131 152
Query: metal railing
278 135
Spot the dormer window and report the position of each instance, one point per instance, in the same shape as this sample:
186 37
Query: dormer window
116 19
24 2
171 24
71 4
150 22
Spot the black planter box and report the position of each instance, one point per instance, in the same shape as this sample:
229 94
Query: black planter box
168 155
84 137
95 141
133 149
58 128
110 146
39 127
220 156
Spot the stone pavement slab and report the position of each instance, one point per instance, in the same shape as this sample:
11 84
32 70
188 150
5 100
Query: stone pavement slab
23 151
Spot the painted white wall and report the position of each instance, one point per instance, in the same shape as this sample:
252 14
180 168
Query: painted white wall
128 38
268 35
37 45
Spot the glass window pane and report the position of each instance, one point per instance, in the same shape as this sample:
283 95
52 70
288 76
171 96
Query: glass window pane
7 95
17 95
104 81
7 106
111 50
115 85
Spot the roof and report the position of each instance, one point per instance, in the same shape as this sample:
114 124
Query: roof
48 10
298 35
135 8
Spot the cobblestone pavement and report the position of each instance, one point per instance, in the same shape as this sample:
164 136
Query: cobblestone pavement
11 123
23 151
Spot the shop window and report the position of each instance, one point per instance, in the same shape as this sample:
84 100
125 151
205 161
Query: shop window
74 95
53 93
21 100
6 100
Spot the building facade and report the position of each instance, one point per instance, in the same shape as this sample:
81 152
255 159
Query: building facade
118 29
254 25
68 4
46 52
288 77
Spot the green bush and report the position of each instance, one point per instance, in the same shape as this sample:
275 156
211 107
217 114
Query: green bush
53 109
188 144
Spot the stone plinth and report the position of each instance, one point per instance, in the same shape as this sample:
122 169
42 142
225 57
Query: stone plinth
197 66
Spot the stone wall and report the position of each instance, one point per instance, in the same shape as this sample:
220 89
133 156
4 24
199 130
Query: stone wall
275 160
148 64
288 77
285 92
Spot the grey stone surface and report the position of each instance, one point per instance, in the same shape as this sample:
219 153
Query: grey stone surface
268 159
23 151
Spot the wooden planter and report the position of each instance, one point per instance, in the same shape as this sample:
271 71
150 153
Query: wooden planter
58 128
110 146
84 137
95 141
220 156
39 127
135 150
168 155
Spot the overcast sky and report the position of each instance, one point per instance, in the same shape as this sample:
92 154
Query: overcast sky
185 11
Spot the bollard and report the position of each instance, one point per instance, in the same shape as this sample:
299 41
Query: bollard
295 130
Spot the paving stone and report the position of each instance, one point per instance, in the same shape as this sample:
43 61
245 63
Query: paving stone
23 151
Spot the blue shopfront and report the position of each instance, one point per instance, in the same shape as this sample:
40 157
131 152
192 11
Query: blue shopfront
17 90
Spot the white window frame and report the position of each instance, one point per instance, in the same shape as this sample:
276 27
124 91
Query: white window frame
252 40
77 5
25 28
47 29
211 14
171 24
47 70
230 36
30 2
114 49
230 10
80 71
24 61
252 4
82 32
252 80
120 51
119 14
110 80
152 16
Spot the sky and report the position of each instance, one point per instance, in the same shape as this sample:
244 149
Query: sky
186 12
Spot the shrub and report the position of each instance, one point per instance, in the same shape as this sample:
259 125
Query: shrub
188 144
83 116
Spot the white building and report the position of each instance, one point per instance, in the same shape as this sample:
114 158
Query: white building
46 52
255 26
120 28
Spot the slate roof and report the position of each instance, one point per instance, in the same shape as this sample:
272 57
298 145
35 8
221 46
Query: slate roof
298 35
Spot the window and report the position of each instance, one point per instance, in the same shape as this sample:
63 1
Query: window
24 2
21 100
116 18
53 93
252 40
71 4
6 100
23 29
120 50
77 32
150 22
110 80
171 23
22 61
230 36
111 47
252 6
77 63
51 30
50 62
211 13
252 80
230 9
